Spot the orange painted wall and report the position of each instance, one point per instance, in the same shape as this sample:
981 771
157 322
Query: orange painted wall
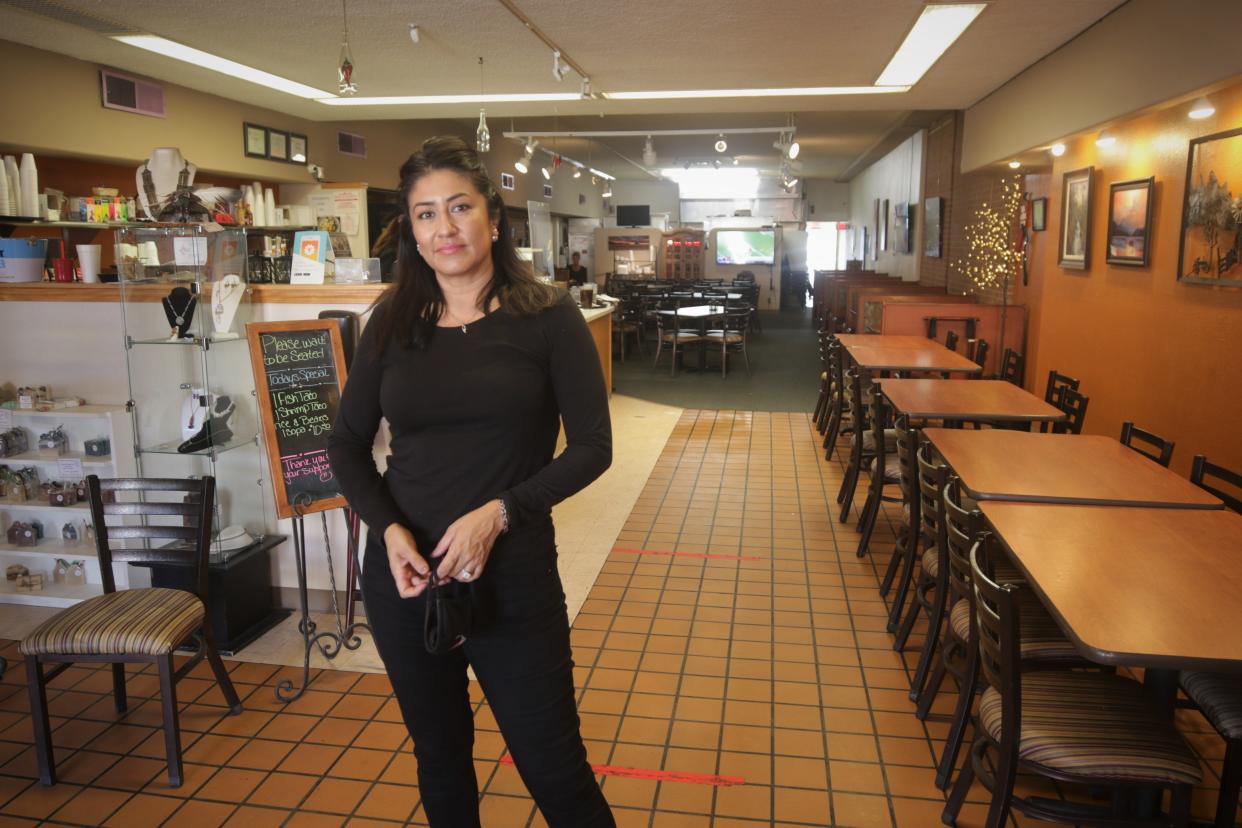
1146 348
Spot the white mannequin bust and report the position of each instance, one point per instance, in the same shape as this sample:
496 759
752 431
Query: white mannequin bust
165 165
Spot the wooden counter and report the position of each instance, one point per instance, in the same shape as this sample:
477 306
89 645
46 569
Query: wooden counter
350 294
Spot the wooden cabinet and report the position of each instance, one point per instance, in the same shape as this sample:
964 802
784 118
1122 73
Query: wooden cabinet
681 256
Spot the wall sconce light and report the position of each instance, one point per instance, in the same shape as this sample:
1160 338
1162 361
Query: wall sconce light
1201 109
1105 139
1057 149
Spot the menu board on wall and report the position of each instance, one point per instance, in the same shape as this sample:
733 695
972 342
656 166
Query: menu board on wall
299 370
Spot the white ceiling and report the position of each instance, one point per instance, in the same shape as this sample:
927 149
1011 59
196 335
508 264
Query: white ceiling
635 45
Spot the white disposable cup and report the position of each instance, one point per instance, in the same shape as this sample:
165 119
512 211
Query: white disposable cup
88 260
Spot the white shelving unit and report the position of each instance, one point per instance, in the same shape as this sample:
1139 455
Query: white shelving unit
80 424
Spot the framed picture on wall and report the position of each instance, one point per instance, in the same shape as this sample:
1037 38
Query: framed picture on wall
882 226
1039 214
931 227
297 148
254 141
1129 222
506 181
1210 247
277 145
1075 246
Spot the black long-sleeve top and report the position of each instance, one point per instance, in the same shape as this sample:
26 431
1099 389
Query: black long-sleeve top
474 416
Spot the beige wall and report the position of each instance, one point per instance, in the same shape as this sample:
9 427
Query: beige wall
1146 53
894 178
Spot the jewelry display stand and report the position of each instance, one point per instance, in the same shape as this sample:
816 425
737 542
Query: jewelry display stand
226 296
179 307
329 642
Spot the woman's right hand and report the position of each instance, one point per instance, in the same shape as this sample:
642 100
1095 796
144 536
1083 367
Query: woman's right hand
409 570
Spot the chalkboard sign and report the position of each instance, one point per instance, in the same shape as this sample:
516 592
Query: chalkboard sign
299 371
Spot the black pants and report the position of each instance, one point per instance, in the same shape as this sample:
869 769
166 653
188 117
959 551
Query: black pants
522 659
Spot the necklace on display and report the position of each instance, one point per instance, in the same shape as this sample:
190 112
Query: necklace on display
180 315
222 291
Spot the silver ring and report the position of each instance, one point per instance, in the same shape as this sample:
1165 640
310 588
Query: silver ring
465 575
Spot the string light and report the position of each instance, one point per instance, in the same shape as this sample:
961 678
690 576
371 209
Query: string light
991 258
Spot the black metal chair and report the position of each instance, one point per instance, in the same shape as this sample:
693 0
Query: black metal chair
1092 729
628 322
950 340
839 415
1075 407
669 334
905 553
1012 364
1217 695
930 589
1163 449
731 338
144 625
885 469
1057 383
981 353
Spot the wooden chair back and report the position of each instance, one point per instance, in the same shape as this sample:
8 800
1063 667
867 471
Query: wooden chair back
950 340
933 476
996 623
981 353
1161 451
962 528
908 465
1057 382
194 507
1011 367
1201 470
1075 407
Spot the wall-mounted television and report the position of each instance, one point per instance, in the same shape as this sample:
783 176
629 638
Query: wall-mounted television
745 247
633 215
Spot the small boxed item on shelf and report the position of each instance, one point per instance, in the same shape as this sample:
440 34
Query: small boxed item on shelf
30 583
72 573
15 571
59 494
24 534
53 443
18 485
69 532
14 441
29 396
99 447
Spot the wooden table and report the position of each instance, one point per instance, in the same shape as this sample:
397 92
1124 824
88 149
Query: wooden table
1027 467
888 341
906 358
1155 588
701 314
988 401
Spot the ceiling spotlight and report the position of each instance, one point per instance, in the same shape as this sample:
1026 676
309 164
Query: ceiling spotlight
721 143
607 191
735 161
649 153
547 176
794 149
594 181
1201 109
559 70
1014 164
414 35
1057 149
585 89
522 165
577 172
1105 140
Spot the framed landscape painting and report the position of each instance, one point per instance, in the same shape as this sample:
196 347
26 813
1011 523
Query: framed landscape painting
1211 241
1075 247
1129 222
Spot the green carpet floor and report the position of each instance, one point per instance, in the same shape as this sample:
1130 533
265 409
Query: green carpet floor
784 372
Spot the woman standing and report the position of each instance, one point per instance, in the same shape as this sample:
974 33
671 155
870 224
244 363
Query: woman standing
474 362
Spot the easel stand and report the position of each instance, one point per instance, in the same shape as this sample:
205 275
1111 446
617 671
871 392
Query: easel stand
329 642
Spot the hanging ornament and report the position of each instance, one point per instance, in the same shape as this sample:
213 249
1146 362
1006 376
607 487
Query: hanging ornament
345 66
482 135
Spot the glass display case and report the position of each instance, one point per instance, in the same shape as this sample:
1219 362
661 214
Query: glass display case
185 300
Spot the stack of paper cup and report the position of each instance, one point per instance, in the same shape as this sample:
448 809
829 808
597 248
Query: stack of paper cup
88 261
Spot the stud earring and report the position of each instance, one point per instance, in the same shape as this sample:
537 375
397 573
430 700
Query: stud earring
495 236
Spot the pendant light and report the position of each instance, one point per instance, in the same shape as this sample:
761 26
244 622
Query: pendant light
345 66
482 135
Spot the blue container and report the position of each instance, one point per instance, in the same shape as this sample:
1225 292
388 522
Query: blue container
21 260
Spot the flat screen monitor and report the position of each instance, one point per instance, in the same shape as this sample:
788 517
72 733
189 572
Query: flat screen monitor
633 215
745 247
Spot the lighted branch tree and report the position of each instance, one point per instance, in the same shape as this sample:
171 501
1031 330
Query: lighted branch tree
991 258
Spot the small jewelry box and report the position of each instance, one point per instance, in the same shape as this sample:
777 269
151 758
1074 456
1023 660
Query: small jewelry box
99 447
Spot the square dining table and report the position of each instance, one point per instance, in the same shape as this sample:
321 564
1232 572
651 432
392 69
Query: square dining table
979 401
1021 466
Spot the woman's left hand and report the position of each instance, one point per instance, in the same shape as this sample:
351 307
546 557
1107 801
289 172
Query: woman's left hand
467 543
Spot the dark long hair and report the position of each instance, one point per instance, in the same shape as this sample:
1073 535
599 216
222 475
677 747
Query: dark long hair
408 311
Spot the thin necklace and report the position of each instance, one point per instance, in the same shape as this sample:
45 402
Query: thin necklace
179 316
455 320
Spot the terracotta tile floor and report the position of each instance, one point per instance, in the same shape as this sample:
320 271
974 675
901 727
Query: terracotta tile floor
731 637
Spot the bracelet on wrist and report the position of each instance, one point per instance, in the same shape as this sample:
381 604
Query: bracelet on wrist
504 515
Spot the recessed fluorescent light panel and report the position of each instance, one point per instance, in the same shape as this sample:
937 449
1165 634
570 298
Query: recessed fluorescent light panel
178 51
792 91
405 100
934 32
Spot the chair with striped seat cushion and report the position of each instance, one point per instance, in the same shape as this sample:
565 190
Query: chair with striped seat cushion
884 468
134 625
929 590
1093 729
1219 696
136 621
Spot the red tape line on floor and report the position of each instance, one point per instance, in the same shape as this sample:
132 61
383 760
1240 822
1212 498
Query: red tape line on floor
659 775
712 555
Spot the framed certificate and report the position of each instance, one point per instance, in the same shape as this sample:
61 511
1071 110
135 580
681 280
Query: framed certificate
277 145
254 140
297 148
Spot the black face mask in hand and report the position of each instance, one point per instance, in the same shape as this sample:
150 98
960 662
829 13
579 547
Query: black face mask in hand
450 614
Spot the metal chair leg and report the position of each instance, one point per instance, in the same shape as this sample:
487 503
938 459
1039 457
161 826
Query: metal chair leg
44 752
172 724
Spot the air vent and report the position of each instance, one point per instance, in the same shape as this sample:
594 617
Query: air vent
131 95
349 144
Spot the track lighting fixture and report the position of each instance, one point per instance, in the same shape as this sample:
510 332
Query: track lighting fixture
414 34
607 191
788 147
585 89
522 165
1201 109
559 70
577 172
649 153
721 143
547 176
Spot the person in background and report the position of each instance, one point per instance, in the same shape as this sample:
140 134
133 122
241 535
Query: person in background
474 363
577 273
385 247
